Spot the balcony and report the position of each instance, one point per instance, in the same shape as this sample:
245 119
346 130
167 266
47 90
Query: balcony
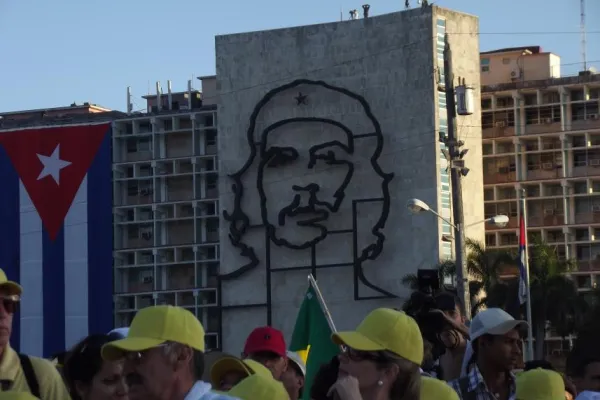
588 265
498 131
546 127
499 177
545 220
587 218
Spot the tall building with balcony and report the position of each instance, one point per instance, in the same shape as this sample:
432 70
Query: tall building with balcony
541 134
166 211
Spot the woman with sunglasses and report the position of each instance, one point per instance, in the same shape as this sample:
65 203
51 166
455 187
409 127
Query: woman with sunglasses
88 377
380 359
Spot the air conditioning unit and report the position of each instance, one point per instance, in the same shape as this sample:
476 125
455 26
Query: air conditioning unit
547 120
595 162
147 235
515 74
500 124
549 211
593 116
547 165
596 207
147 279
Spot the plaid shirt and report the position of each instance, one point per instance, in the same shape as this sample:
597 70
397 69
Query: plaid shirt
477 388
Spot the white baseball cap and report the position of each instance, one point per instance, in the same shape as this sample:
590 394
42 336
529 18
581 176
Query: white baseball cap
295 358
493 321
122 332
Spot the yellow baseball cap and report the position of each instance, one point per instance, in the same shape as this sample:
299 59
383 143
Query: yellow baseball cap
10 395
232 364
13 288
434 389
540 384
153 326
259 387
385 329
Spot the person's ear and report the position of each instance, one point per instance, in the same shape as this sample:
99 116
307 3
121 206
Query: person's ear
392 373
183 357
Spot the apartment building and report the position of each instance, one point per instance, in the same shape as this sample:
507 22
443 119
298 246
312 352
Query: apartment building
541 134
166 209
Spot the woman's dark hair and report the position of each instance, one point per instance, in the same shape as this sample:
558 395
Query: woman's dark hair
325 378
84 361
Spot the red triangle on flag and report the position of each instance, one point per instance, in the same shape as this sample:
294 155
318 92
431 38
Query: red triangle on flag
52 163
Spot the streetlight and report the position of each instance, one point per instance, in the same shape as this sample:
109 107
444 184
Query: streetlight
416 206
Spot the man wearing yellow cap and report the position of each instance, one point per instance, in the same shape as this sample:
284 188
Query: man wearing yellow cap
228 371
19 372
540 384
164 356
259 387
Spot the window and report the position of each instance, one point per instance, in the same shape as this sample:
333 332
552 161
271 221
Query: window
133 232
144 144
211 182
211 137
485 61
485 68
506 61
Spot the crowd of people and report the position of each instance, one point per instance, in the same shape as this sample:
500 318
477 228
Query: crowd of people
426 351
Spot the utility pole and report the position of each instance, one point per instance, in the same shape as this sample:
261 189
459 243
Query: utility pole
457 170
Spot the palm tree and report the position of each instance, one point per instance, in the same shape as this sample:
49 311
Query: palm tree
554 296
485 267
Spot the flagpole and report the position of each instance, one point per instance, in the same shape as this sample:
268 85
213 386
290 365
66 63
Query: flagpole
312 282
523 202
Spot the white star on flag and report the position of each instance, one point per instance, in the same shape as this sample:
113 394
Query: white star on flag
52 165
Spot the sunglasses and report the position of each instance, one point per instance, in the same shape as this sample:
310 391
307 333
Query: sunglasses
138 357
11 303
357 355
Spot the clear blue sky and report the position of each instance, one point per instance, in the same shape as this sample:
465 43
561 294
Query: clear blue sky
54 52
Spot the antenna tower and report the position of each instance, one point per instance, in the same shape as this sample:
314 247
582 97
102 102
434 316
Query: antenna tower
583 39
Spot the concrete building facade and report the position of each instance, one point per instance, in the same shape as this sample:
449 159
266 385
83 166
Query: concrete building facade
541 134
166 209
325 132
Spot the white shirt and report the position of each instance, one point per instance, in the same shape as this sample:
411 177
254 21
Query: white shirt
586 395
202 391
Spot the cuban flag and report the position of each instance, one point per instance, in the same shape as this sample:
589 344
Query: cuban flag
522 261
56 233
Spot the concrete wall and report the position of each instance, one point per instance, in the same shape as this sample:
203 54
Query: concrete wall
531 66
465 57
389 62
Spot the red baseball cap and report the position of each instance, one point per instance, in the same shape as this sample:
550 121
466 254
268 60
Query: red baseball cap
265 339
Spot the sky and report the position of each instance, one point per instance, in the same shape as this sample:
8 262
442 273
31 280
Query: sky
56 52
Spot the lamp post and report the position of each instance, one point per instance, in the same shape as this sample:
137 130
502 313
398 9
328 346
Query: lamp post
416 206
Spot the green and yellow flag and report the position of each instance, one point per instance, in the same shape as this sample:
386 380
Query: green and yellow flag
312 338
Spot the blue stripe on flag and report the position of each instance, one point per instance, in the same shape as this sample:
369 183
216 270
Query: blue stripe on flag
10 232
100 245
54 289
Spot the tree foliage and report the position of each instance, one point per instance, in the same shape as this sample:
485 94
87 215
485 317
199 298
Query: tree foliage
554 296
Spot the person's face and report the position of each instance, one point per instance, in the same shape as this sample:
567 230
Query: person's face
293 380
150 373
302 179
590 379
455 315
504 351
364 366
274 363
8 306
108 384
230 379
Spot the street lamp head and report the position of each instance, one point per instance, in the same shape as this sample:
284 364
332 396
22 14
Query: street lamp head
416 206
499 220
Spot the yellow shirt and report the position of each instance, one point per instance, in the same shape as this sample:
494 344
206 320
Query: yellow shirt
52 387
